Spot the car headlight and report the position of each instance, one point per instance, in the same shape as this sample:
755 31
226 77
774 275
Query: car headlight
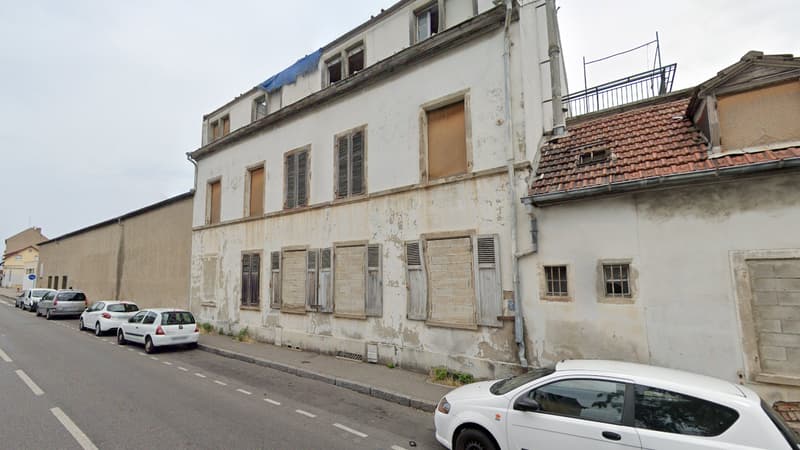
444 406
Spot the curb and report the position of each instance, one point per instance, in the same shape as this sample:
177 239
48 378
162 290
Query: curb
354 386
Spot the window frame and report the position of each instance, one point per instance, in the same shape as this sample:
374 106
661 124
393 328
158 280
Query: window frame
433 105
342 56
633 275
257 102
297 205
349 135
248 189
426 8
544 294
209 200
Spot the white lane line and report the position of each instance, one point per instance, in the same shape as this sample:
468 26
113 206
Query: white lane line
73 429
244 392
305 413
4 356
142 354
199 375
183 369
269 400
130 349
154 358
350 430
221 383
166 362
27 380
397 447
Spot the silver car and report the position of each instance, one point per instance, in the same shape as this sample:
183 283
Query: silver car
64 302
31 301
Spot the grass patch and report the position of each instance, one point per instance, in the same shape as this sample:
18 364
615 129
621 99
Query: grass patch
442 375
206 328
244 335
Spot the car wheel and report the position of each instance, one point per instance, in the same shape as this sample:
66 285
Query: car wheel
48 316
97 330
37 312
80 325
191 346
121 338
472 439
148 345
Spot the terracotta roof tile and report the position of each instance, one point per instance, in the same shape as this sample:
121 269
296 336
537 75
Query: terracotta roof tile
653 140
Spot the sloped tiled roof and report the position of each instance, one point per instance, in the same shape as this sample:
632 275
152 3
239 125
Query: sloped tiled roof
651 140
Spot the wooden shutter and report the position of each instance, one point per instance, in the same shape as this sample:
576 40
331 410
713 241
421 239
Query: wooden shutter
216 199
246 279
325 279
255 279
302 178
290 171
357 163
374 281
275 280
417 284
349 268
489 286
226 125
312 269
342 156
447 141
257 192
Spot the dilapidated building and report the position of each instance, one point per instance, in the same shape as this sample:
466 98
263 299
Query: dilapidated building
365 201
669 231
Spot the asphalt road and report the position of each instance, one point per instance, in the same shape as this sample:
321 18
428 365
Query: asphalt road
65 389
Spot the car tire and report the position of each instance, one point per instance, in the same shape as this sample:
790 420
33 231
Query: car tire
48 316
472 439
121 338
191 346
148 345
37 313
80 325
97 330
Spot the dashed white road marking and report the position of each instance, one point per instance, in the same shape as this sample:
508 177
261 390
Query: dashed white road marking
4 356
73 429
244 392
269 400
142 354
221 383
166 362
350 430
199 375
305 413
130 349
27 380
397 447
154 358
183 369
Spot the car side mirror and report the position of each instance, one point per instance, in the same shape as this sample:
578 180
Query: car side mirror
527 404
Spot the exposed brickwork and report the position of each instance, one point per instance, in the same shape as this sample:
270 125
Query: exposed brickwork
790 411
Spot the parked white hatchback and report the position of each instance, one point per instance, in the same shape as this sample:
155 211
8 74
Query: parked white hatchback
159 327
106 315
585 404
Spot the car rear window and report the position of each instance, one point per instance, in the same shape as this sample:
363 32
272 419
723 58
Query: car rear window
71 297
177 318
670 412
123 307
507 385
38 293
788 433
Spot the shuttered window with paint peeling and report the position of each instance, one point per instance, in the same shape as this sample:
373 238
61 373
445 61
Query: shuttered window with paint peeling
293 281
490 295
324 298
350 164
450 277
275 280
296 175
374 282
416 282
251 279
349 270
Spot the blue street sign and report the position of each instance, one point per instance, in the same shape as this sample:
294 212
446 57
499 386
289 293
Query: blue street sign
32 277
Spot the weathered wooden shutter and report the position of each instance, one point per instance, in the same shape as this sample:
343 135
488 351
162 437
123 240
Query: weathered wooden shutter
275 280
417 308
342 156
357 163
255 279
291 181
302 178
374 281
312 268
245 279
325 279
489 286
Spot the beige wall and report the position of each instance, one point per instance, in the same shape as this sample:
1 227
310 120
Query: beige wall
144 258
760 117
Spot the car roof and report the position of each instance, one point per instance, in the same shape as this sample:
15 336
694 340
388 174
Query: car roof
678 378
162 310
114 302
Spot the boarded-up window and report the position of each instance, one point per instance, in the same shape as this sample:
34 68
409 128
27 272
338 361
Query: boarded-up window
324 294
275 280
213 204
251 279
312 269
214 131
259 107
293 281
417 283
349 281
350 164
760 117
296 174
210 267
226 125
374 282
452 292
256 188
447 141
490 295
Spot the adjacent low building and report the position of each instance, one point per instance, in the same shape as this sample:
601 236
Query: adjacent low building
20 259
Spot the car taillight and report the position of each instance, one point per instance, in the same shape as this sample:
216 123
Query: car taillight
106 315
196 329
55 302
159 330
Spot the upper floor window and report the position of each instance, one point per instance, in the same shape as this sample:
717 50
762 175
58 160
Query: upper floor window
344 64
219 128
427 22
213 199
296 176
259 107
334 69
355 59
447 141
350 158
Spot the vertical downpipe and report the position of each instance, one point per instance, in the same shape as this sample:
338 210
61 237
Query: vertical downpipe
191 244
554 53
519 330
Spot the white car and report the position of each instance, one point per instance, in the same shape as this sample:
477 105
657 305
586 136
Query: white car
33 297
585 404
106 315
159 327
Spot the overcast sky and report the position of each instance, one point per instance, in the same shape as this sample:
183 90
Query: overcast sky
100 100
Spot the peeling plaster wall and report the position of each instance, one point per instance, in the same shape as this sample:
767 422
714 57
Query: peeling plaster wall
685 312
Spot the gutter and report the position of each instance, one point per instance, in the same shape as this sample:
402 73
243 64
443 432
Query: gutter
680 179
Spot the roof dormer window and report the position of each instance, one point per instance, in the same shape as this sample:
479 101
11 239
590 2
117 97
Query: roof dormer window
427 21
595 156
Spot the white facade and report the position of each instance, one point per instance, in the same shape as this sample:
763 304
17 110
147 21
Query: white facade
401 203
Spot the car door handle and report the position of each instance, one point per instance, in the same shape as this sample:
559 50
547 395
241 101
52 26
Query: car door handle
611 435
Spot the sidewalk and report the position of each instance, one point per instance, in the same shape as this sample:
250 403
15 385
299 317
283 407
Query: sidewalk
9 293
394 385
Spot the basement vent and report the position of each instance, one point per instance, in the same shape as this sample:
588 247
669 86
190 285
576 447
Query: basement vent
412 254
486 250
594 156
372 353
350 356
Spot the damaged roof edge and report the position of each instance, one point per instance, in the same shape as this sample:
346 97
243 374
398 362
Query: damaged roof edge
675 180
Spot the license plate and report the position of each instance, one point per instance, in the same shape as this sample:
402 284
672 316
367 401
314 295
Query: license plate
178 338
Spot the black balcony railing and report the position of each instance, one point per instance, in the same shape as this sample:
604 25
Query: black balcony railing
642 86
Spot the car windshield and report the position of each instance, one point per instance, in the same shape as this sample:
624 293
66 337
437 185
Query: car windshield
39 293
72 297
507 385
177 318
123 307
790 435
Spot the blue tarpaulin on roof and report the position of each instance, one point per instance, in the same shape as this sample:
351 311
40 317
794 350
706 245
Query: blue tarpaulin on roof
289 75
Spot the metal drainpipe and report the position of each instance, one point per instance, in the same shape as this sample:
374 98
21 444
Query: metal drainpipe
194 163
519 330
554 52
